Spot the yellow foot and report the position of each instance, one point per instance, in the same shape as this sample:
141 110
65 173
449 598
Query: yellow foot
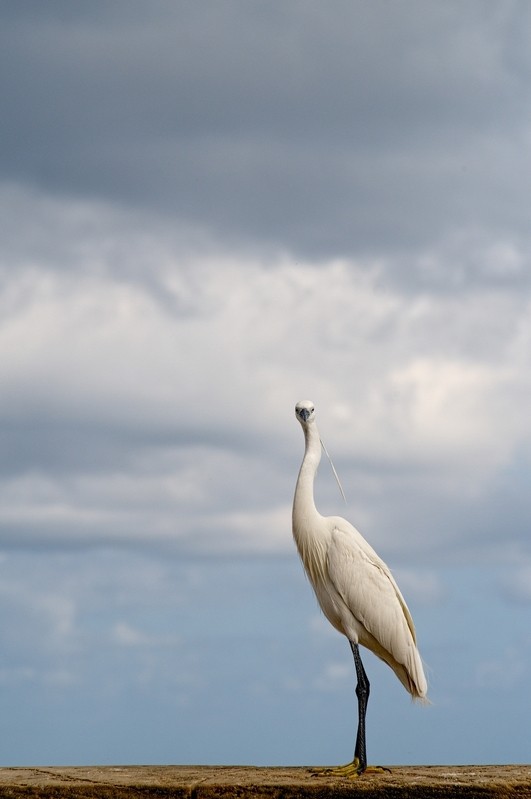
350 770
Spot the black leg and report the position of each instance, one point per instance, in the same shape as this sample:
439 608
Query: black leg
359 764
362 692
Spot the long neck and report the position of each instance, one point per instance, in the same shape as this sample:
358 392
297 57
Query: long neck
304 509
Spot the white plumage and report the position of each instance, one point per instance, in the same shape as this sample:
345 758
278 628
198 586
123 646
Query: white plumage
354 587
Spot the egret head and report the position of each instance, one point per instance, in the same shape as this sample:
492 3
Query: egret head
305 411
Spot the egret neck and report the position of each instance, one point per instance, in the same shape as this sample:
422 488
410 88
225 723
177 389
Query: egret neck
307 521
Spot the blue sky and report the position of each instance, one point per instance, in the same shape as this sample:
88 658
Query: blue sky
207 213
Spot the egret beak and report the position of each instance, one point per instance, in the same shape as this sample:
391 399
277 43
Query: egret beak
304 414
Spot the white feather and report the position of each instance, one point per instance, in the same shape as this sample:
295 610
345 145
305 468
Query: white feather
354 587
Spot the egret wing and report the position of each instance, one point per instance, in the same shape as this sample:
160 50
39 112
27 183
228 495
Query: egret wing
369 591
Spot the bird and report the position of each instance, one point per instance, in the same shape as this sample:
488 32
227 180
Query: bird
355 590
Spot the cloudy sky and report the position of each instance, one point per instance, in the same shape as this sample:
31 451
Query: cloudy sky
209 211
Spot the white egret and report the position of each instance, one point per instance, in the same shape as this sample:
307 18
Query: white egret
354 587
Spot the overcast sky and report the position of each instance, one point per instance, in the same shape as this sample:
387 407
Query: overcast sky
209 211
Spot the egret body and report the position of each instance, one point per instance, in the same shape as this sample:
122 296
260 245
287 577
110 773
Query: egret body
354 587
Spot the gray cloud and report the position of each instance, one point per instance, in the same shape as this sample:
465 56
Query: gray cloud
369 129
148 392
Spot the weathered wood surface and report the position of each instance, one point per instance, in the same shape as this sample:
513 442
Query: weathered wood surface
222 782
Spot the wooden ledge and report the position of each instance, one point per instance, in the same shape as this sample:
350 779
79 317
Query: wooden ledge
230 782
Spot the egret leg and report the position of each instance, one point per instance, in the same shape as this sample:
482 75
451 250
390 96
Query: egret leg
363 689
359 764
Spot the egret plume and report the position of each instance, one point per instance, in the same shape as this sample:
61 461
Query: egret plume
338 481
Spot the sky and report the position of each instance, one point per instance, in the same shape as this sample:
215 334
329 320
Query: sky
208 212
